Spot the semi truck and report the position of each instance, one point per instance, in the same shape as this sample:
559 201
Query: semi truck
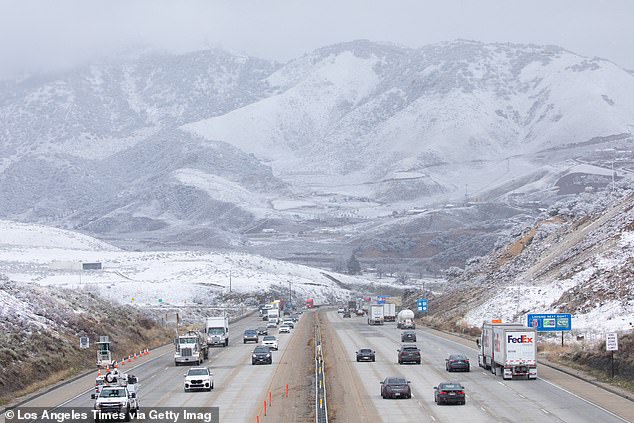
510 347
310 303
405 319
375 314
191 347
217 330
352 306
389 312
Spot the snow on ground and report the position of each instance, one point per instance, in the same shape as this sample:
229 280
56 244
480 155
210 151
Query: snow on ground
33 254
607 316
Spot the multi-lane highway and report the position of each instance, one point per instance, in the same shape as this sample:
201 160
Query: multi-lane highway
489 398
354 389
239 391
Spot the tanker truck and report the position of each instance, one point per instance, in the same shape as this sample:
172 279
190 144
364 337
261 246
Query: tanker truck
405 319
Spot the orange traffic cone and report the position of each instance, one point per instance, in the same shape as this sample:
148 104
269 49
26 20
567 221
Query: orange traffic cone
135 356
98 372
123 361
147 351
130 358
116 366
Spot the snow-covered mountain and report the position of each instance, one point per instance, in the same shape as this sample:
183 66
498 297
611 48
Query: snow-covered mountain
209 148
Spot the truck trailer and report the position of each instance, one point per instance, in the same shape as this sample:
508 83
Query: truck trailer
389 312
510 347
375 314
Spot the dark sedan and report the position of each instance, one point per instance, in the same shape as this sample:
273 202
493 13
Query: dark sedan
458 362
262 330
409 354
395 387
408 336
250 335
449 393
261 355
365 354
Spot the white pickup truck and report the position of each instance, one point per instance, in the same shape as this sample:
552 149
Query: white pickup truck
115 403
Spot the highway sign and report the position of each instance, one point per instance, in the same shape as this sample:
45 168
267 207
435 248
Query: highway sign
421 304
611 341
84 342
553 322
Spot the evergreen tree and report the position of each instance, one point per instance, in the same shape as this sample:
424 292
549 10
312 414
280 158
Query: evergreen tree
354 268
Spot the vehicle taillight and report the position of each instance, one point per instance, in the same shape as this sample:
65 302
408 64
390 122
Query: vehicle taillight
443 392
460 392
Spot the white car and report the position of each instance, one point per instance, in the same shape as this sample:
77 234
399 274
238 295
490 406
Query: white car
270 341
199 378
289 322
285 329
340 310
270 325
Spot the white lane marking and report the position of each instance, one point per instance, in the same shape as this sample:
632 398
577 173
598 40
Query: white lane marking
545 411
483 409
585 400
432 417
521 396
501 383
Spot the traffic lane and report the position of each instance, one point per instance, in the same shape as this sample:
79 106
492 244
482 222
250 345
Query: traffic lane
347 397
85 385
506 406
245 386
544 395
370 374
159 378
602 398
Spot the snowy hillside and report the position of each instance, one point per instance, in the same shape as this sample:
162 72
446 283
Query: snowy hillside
37 254
215 150
368 111
577 260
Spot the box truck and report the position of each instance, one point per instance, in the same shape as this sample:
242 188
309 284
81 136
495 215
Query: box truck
375 314
510 347
389 312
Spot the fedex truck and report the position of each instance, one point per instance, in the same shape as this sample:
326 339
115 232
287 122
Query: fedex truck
510 347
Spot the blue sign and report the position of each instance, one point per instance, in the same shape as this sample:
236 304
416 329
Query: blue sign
421 303
380 302
553 322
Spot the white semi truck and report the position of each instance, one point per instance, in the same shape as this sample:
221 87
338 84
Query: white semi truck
375 314
217 330
191 347
405 319
389 312
510 347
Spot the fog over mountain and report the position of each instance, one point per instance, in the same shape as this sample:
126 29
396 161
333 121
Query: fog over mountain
357 145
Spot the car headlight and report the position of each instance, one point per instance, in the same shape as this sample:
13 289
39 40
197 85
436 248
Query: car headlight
254 356
268 355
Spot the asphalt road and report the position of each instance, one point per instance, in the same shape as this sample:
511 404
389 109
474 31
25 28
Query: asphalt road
489 398
240 387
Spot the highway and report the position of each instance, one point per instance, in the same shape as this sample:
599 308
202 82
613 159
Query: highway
239 391
354 394
489 398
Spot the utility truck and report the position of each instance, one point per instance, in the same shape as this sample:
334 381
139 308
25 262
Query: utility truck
510 347
191 347
405 319
217 330
375 314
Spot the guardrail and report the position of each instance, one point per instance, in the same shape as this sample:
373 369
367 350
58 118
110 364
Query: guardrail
321 408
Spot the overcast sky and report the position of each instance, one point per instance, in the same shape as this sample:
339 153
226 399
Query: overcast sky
51 34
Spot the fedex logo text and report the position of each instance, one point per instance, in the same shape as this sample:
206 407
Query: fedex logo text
523 339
